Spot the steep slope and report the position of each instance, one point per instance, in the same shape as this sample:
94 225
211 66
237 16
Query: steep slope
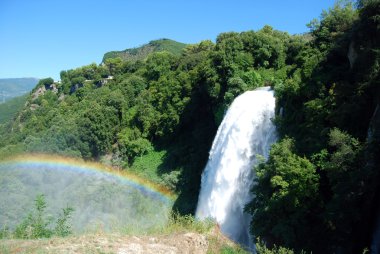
13 87
159 117
143 51
11 107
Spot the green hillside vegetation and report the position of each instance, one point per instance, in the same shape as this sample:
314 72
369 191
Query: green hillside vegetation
13 87
319 189
140 53
11 107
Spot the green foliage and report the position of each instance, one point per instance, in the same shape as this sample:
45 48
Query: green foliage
159 64
286 187
236 86
267 47
142 52
10 150
171 179
132 144
148 165
45 82
62 227
97 128
261 248
186 223
232 250
37 224
155 109
11 107
328 102
346 171
4 232
333 24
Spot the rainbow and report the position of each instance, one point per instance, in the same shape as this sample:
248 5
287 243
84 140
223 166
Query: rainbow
32 161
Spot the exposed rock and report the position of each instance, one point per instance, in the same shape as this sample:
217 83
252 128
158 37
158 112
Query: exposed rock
42 90
75 87
104 81
34 107
352 55
61 97
52 87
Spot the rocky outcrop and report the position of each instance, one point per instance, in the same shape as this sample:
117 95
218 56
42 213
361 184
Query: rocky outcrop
34 107
61 97
42 90
75 87
105 80
52 87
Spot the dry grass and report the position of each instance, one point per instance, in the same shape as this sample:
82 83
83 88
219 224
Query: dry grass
175 242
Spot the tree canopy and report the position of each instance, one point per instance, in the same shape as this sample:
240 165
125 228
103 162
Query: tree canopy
158 115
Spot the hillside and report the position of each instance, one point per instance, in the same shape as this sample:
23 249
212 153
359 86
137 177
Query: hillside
13 87
319 189
143 51
10 108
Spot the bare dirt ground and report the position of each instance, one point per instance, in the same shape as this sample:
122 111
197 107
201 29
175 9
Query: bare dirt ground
185 243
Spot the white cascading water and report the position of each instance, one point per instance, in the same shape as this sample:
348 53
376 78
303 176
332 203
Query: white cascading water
246 132
375 246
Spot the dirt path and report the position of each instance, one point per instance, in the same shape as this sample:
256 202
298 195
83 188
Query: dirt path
185 243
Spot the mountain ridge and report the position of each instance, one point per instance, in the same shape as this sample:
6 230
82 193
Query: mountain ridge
13 87
141 52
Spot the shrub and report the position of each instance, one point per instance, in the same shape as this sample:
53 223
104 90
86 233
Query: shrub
37 223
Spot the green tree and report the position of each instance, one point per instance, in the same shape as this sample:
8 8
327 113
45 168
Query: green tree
114 65
98 128
158 64
35 225
63 228
333 25
261 248
286 193
345 172
132 144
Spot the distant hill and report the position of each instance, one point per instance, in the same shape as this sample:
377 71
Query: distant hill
11 107
142 52
13 87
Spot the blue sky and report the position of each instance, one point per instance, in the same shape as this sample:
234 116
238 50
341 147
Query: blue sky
39 38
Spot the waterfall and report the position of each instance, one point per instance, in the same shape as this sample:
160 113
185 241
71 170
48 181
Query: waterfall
375 246
373 141
245 134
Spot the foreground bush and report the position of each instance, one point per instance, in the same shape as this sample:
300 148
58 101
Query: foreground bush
37 224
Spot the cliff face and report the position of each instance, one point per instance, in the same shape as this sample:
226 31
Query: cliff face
42 89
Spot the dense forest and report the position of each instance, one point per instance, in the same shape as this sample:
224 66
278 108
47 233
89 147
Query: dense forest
140 53
11 107
157 116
